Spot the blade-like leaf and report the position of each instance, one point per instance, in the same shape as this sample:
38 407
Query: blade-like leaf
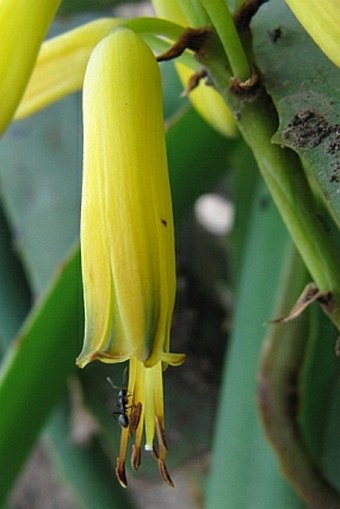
244 471
33 373
14 291
305 87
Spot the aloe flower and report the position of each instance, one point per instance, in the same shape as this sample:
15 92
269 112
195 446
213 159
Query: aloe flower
23 26
127 233
322 21
205 99
60 66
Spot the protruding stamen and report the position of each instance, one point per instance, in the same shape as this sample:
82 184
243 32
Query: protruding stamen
161 454
135 415
120 472
164 473
154 453
120 469
160 436
136 457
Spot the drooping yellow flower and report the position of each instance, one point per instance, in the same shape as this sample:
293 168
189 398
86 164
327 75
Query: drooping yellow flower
205 99
61 64
23 26
322 21
127 233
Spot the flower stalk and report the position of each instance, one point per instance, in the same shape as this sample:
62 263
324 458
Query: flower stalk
223 23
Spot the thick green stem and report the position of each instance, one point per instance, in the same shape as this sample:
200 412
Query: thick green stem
287 183
285 178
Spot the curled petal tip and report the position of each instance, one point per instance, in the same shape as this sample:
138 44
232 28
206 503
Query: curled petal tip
136 457
165 474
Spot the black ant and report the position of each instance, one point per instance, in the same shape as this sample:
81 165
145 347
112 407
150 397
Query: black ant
122 402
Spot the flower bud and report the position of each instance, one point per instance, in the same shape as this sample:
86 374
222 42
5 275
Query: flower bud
61 64
23 26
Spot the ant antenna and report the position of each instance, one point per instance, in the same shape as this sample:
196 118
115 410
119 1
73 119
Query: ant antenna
109 379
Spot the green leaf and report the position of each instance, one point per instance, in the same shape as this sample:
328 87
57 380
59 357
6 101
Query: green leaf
319 386
244 183
305 88
244 472
14 291
74 6
331 446
33 374
41 187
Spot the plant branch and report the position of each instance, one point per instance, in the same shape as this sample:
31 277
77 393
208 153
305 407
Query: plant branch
285 178
223 23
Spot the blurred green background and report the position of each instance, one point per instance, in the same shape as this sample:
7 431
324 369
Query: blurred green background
56 424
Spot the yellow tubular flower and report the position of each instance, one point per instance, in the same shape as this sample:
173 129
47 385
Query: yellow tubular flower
205 99
127 233
322 21
61 64
23 26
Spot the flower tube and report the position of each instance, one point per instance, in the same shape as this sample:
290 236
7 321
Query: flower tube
60 67
127 233
23 26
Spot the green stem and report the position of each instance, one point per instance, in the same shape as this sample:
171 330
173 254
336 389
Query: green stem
194 12
285 178
155 26
223 23
287 183
237 5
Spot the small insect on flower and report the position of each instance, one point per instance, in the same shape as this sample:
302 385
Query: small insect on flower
122 404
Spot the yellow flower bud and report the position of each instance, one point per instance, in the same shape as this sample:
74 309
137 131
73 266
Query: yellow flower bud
209 104
23 26
322 21
205 99
61 64
127 233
